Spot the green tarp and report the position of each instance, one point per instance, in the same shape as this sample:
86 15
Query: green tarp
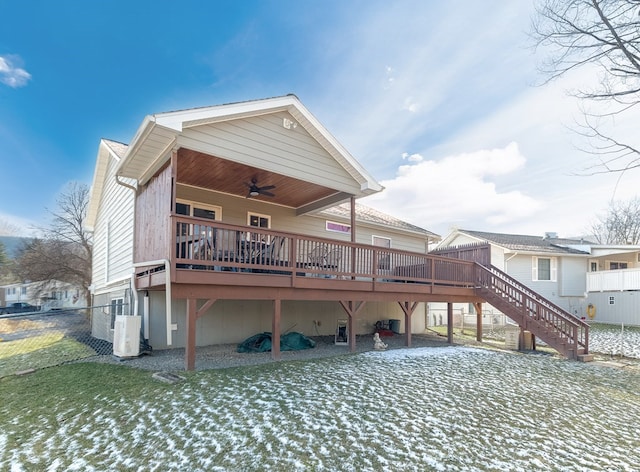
288 342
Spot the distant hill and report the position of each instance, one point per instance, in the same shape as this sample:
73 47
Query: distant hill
12 244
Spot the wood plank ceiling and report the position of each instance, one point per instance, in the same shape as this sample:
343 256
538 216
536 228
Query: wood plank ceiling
214 173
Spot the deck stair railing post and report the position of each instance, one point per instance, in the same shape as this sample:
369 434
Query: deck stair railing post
555 326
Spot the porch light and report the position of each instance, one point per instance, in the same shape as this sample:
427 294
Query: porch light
254 193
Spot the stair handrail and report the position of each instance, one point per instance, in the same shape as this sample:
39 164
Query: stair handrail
581 328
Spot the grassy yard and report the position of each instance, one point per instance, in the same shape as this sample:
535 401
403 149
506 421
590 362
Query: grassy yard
44 350
452 408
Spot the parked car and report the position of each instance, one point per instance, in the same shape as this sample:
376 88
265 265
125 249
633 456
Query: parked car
18 307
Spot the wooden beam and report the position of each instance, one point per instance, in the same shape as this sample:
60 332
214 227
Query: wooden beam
352 308
478 307
450 323
408 308
201 311
275 329
190 349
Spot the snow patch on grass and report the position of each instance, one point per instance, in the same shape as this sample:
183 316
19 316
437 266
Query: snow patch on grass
450 408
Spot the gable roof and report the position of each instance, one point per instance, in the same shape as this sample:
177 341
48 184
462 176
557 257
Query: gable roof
107 149
159 133
372 216
526 243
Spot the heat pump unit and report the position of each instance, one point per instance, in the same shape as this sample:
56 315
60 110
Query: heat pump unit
126 336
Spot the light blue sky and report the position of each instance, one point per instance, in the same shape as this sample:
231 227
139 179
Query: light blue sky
436 99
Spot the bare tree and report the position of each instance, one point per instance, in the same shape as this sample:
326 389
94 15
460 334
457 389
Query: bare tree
65 251
3 262
604 34
7 229
621 224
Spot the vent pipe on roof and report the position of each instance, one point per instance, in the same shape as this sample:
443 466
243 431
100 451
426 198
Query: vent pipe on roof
550 235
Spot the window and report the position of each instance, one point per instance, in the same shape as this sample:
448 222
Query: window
594 267
612 300
384 260
544 268
116 309
198 210
338 227
258 221
23 290
618 265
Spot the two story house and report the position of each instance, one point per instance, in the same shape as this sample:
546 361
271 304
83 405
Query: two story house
589 280
217 223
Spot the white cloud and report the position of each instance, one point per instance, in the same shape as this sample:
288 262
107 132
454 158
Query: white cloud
412 157
457 190
11 74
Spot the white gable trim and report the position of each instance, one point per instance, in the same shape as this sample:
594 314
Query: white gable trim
141 161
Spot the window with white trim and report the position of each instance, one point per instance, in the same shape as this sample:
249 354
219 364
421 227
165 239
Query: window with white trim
116 309
198 210
544 269
337 227
615 265
258 220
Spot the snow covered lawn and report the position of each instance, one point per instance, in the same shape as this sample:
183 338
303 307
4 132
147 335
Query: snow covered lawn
449 408
615 340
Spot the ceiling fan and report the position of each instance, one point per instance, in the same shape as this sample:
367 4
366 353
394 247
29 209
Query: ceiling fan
254 190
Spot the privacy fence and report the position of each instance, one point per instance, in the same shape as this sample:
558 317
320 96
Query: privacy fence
45 339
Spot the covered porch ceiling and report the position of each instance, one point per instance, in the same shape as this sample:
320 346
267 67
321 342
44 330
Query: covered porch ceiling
221 175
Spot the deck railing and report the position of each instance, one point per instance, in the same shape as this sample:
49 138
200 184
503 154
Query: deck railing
542 313
211 245
613 280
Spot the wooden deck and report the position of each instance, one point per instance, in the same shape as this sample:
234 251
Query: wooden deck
214 254
209 260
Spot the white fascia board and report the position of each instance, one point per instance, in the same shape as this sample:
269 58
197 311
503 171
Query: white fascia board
97 185
178 120
141 134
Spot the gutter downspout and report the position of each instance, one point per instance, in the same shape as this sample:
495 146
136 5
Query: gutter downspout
133 280
166 263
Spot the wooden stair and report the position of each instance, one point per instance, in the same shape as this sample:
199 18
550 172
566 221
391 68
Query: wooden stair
558 328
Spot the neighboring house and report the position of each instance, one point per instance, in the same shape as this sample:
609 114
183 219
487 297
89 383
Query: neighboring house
48 295
575 274
613 284
222 222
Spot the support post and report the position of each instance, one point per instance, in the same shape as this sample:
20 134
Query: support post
190 349
450 323
275 329
352 308
352 333
408 308
478 307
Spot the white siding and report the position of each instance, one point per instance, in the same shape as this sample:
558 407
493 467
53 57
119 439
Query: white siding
234 211
626 308
263 142
113 233
572 276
